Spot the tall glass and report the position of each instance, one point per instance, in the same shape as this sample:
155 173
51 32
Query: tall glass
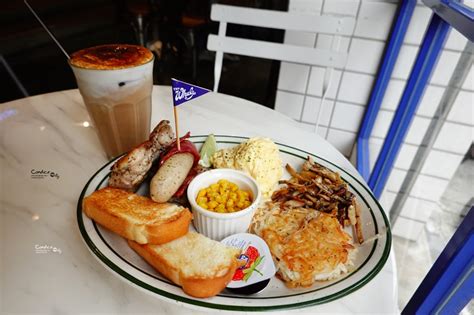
116 82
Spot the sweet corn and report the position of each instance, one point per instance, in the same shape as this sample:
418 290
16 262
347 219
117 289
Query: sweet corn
223 197
212 204
220 208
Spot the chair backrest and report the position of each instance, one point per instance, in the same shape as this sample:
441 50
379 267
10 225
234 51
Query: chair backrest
221 43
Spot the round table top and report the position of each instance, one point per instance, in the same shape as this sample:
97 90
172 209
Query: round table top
52 132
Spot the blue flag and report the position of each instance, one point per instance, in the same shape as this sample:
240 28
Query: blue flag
183 92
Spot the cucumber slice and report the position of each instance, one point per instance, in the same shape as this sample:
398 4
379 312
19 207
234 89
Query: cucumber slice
207 150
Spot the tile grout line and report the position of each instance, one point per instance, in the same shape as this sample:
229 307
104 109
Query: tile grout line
388 110
373 75
382 138
433 84
343 71
423 116
406 143
431 134
312 124
421 173
412 196
412 219
321 104
308 78
411 44
399 79
416 145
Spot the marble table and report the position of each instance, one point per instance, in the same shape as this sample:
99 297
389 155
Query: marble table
48 151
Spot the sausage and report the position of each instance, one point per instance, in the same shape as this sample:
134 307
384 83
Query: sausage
170 176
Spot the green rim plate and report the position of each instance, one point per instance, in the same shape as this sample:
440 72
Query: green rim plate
112 251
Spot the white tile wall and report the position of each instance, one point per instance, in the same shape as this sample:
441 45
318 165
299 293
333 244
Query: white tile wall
462 110
289 104
418 209
454 138
350 91
341 7
293 77
417 130
386 200
469 3
404 159
375 145
445 67
347 116
311 108
404 62
355 87
441 164
375 13
393 94
407 228
315 85
428 187
456 40
395 180
382 123
342 140
365 55
469 82
418 24
430 100
428 104
405 156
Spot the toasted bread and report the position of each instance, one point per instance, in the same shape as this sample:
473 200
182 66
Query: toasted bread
201 266
136 217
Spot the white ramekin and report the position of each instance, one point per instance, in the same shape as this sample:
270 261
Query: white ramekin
220 225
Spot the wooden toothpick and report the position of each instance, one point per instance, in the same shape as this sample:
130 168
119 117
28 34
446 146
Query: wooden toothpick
178 142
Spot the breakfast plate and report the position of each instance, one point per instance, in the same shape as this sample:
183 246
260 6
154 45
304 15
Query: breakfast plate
114 253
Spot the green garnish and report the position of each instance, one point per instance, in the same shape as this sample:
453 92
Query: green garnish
207 151
253 267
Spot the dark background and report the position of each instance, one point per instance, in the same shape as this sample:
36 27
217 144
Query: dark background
40 66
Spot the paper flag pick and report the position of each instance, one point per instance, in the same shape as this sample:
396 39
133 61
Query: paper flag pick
183 92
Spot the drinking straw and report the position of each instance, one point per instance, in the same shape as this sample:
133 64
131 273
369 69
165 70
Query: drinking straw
47 30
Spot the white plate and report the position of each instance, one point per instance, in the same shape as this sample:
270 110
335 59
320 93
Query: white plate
112 250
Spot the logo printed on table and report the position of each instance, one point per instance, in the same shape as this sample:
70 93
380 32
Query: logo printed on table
39 174
46 249
183 92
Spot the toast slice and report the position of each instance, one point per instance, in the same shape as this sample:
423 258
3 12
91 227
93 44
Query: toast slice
201 266
136 217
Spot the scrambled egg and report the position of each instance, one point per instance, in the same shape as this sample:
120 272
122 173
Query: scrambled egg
259 157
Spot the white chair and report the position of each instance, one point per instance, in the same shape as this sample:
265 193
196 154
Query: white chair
329 58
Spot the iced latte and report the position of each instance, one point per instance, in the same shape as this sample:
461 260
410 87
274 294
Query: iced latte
115 82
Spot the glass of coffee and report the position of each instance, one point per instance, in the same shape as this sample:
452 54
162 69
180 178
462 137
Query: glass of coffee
115 82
